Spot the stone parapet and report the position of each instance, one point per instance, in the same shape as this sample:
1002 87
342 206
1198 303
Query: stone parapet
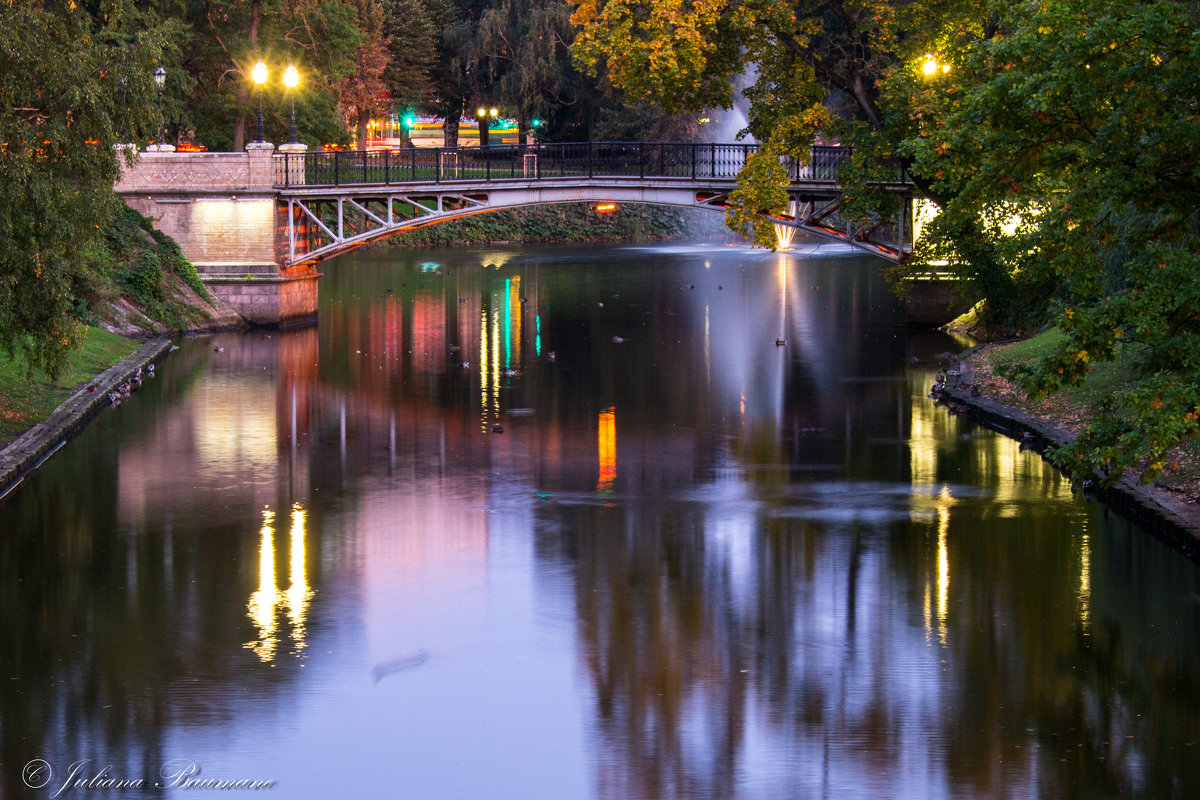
167 172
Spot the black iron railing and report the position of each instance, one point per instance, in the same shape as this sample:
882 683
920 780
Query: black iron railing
694 161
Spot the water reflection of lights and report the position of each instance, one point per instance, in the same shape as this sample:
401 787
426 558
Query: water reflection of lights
263 602
484 370
1085 580
941 504
608 449
236 426
298 594
495 259
943 574
499 345
267 601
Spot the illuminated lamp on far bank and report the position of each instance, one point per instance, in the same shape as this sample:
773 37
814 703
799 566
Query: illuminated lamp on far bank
605 208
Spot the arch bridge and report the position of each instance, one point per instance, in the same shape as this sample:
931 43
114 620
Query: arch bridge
257 224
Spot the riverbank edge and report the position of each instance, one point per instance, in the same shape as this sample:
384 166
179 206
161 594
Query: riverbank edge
32 448
1167 517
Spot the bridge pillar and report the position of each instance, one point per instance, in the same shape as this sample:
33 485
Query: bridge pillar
223 210
934 302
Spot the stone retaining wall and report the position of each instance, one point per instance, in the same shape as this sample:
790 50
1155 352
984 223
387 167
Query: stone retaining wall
1169 518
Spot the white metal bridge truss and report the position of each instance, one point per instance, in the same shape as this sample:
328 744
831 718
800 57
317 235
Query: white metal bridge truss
321 222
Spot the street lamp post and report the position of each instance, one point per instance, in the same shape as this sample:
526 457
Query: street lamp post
259 74
291 79
160 80
486 117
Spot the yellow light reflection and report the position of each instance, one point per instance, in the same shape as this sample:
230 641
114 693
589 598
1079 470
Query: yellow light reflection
1085 581
298 594
495 259
495 363
943 594
267 601
939 605
264 601
608 449
484 367
514 315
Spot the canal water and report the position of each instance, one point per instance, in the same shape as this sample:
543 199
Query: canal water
573 523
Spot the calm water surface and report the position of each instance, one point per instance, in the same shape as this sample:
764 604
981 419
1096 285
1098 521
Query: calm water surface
567 523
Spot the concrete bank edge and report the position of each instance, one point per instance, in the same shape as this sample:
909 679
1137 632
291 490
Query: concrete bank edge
1174 521
41 441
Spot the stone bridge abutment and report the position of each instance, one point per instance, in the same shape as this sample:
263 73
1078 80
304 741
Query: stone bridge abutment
224 212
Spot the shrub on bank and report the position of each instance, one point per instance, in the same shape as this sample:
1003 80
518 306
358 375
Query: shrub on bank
146 268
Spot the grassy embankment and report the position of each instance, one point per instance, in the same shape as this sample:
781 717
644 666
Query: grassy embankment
25 401
138 281
1072 409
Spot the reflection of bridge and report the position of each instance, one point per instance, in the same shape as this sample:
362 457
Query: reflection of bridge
257 223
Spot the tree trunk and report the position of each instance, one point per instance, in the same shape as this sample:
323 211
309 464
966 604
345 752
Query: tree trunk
363 118
239 132
450 131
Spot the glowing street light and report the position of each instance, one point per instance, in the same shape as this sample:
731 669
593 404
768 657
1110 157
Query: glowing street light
291 79
486 117
931 66
259 74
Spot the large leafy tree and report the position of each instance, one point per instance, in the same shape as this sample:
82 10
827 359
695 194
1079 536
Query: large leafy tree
843 69
1084 122
75 81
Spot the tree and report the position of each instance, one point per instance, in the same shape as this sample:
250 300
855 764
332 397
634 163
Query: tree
75 81
524 54
363 91
1086 123
453 74
844 69
411 28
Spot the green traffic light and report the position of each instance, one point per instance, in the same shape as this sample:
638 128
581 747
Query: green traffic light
537 123
410 121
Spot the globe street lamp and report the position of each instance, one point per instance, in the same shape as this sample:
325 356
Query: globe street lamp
160 80
259 74
291 79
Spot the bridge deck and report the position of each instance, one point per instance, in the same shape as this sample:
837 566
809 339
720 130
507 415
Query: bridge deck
557 161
